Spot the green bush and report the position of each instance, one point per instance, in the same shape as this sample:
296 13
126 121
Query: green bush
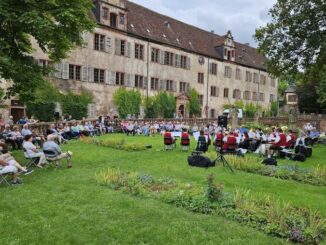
42 111
127 102
250 164
76 105
259 211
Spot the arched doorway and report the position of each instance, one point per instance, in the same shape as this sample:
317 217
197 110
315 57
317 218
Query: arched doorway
181 110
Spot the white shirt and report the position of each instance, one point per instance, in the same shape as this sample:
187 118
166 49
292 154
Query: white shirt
29 147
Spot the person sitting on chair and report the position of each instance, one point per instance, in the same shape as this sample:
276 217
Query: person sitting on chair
10 161
53 150
290 139
202 142
230 142
168 138
8 169
219 140
185 140
279 143
33 152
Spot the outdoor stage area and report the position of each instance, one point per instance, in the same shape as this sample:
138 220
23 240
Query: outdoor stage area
92 204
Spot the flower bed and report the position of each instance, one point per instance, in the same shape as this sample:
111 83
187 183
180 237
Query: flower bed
313 176
119 144
259 211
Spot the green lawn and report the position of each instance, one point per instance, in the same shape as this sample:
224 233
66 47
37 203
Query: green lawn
68 206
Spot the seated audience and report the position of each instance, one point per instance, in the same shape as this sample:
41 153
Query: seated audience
10 161
9 169
50 145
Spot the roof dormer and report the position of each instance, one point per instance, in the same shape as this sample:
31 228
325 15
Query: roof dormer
229 47
112 13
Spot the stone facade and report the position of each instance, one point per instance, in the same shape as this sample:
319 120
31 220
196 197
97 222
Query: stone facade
115 55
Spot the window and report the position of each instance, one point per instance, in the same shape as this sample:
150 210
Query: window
120 79
168 58
99 41
169 85
228 72
212 114
183 63
256 78
271 98
105 13
139 51
262 97
74 72
248 76
263 79
272 82
139 81
213 69
201 99
113 20
236 94
255 96
123 47
99 76
154 83
201 78
246 95
122 18
226 93
214 91
238 74
155 55
183 88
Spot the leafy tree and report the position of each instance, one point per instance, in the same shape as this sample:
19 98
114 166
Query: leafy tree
150 109
194 103
274 109
294 41
127 101
250 110
76 105
165 104
56 26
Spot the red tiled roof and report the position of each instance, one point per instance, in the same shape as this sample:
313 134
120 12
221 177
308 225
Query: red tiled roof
148 24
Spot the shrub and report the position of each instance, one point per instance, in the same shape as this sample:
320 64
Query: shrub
76 105
259 211
251 164
119 144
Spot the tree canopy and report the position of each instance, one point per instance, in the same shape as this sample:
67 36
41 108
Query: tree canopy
194 103
127 101
56 25
295 45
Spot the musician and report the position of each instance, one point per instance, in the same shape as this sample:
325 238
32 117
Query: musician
279 143
229 141
290 139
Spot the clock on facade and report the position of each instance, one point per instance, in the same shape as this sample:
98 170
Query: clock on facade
201 60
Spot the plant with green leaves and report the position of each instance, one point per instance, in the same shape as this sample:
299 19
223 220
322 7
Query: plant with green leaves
56 26
76 105
127 101
194 103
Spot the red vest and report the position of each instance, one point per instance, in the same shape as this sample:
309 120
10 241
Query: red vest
219 140
230 141
292 140
282 141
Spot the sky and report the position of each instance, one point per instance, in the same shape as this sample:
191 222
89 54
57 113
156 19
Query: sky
242 17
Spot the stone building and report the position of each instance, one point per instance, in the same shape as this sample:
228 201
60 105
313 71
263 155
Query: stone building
137 48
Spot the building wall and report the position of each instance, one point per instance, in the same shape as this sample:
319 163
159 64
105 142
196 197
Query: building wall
109 61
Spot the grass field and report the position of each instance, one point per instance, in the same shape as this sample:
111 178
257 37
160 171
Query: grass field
67 206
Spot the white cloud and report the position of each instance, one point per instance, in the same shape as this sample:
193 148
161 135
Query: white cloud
242 17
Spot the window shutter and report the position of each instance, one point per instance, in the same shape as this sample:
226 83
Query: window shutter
177 60
90 74
162 85
187 87
132 81
145 85
85 74
65 71
217 91
128 49
211 68
162 57
175 86
85 37
188 63
58 68
117 47
127 80
107 77
112 78
108 44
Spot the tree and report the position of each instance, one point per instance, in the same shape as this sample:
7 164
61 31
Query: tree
165 104
56 26
194 103
127 102
150 108
76 105
295 40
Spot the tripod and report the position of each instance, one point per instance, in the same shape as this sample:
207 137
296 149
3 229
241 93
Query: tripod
220 156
